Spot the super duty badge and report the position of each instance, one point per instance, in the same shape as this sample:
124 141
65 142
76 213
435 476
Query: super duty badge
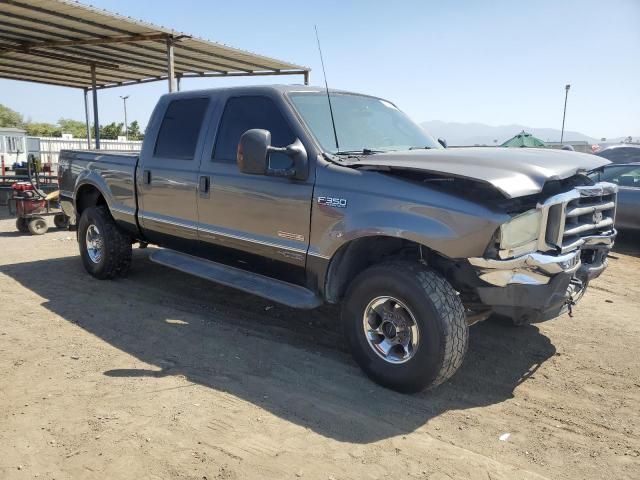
333 202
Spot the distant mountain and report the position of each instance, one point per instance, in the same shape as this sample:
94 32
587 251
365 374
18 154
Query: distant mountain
480 134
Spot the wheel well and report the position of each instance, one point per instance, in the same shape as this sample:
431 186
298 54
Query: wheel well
359 254
88 196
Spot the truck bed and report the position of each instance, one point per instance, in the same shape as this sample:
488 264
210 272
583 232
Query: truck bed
113 173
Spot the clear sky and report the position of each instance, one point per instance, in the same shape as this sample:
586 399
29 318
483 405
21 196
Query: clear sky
494 62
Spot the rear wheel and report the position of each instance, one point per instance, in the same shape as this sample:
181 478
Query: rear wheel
37 226
105 250
21 225
406 326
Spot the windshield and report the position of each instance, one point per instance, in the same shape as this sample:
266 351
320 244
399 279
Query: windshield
363 124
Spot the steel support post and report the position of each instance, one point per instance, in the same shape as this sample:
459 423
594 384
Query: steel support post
96 120
86 116
171 73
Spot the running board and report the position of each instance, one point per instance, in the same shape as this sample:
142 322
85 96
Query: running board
269 288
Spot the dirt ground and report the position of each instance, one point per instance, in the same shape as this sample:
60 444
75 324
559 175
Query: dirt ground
165 376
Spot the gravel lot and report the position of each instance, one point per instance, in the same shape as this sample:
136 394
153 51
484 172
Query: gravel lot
166 376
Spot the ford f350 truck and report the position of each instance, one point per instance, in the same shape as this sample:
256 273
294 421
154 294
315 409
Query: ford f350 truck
254 188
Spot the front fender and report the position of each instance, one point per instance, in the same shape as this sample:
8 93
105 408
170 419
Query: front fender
349 204
452 234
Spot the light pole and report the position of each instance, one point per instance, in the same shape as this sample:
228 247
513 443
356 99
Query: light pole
126 128
564 113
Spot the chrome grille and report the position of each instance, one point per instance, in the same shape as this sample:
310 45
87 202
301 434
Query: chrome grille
574 216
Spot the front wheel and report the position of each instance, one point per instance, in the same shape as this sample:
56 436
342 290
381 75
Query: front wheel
105 250
405 325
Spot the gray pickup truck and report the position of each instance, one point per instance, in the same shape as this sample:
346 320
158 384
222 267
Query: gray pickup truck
254 188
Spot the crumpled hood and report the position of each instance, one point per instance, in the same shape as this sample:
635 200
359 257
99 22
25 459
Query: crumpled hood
515 172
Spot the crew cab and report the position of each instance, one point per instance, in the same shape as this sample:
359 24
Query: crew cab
269 190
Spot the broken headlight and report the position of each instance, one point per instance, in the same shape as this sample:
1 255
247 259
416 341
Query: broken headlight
520 234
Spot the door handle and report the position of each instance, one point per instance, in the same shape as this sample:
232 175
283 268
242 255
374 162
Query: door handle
204 186
146 177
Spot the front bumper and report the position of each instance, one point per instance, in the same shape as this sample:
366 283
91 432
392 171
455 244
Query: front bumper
587 263
539 286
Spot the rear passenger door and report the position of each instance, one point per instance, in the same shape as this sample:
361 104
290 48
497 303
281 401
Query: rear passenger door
255 222
168 175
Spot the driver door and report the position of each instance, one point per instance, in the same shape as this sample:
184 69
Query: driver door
254 222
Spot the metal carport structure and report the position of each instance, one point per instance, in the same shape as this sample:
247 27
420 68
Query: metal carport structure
65 43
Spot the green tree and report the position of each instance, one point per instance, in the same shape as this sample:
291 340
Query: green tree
111 131
42 129
134 131
10 118
75 127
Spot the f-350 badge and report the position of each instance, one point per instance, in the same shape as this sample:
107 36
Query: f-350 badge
333 202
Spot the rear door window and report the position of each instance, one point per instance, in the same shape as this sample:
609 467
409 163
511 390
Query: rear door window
178 135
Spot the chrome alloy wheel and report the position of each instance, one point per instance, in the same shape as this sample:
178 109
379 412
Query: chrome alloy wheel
95 244
391 329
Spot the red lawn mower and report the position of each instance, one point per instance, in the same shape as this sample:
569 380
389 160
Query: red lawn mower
31 206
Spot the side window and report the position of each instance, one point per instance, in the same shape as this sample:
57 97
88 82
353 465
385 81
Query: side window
180 127
625 176
244 113
14 144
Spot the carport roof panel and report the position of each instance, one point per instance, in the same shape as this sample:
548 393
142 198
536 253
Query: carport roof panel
56 41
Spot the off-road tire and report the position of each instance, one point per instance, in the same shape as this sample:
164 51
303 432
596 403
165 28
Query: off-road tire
37 226
116 258
439 315
21 225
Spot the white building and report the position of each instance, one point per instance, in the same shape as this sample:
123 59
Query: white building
13 145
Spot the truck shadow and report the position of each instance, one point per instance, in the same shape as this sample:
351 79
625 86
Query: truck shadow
292 363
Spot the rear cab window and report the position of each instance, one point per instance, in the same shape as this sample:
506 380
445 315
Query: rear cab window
180 128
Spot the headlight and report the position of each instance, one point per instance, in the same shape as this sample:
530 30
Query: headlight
520 234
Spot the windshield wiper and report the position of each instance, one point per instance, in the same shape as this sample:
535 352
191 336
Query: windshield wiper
420 148
364 151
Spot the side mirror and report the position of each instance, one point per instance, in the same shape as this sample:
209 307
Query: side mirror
254 150
442 142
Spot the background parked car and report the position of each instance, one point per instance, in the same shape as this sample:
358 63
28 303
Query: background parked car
624 153
627 177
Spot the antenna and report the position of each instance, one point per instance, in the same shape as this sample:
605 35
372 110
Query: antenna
326 86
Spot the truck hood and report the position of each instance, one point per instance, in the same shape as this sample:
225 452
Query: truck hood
514 172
